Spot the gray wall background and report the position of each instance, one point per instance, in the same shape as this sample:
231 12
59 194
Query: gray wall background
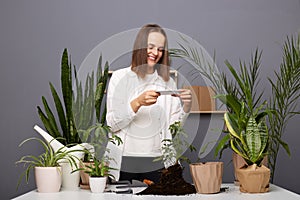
34 34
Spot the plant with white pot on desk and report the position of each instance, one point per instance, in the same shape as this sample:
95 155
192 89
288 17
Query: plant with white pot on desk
98 172
47 166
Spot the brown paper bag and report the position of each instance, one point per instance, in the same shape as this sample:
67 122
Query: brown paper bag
207 177
254 179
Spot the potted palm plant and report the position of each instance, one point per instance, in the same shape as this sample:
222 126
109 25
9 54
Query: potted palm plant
248 132
48 172
284 99
244 88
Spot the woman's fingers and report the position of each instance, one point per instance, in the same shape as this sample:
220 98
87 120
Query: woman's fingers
186 97
148 98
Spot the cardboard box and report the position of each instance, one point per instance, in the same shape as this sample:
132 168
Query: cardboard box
202 98
206 100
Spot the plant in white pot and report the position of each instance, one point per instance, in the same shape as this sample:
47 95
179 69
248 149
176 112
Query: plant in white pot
99 135
98 172
89 103
48 172
64 124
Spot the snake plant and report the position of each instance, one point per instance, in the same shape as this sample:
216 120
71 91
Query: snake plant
248 133
245 85
246 116
88 102
64 107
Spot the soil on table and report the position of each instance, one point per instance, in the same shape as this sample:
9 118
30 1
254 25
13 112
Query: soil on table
171 183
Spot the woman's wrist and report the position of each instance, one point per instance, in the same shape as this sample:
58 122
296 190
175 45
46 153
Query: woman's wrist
135 105
186 108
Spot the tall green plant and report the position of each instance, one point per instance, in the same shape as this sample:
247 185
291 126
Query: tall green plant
87 104
242 87
245 119
102 79
83 102
284 99
245 85
96 132
63 107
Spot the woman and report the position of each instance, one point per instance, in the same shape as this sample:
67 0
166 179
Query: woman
138 113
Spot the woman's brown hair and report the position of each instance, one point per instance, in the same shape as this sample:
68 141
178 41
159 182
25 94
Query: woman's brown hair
139 54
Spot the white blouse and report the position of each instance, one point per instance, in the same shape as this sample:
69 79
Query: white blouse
143 131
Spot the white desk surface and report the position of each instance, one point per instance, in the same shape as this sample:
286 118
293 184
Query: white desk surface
275 193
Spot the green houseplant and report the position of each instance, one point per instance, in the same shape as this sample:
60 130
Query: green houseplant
221 84
98 172
249 139
242 88
97 167
248 132
64 108
171 181
46 166
99 136
63 124
94 131
284 98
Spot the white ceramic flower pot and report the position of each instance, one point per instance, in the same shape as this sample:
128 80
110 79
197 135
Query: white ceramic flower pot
48 179
70 181
97 184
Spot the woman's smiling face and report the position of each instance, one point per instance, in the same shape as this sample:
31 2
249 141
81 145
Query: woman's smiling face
156 45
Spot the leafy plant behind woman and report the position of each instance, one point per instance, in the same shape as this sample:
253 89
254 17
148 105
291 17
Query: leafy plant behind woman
284 99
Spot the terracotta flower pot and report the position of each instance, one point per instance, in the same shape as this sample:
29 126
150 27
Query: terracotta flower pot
48 179
254 179
85 178
207 177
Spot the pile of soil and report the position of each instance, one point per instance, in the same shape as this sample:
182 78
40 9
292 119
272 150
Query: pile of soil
171 183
